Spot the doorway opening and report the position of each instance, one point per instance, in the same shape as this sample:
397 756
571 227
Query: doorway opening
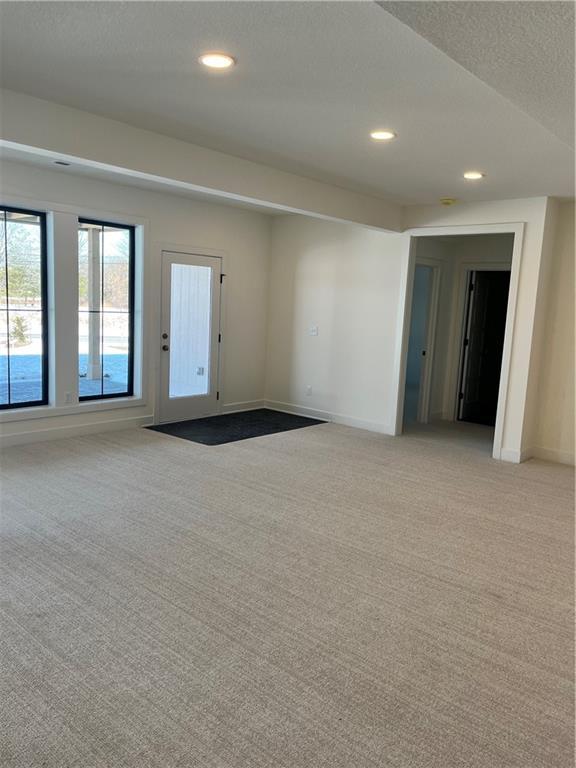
458 293
482 345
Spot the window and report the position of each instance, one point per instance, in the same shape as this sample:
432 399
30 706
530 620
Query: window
23 308
105 310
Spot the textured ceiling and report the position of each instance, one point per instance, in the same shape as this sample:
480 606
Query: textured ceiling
524 50
312 80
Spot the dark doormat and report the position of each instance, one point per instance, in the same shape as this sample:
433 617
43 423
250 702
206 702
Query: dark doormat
217 430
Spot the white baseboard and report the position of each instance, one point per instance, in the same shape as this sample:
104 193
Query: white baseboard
552 454
247 405
538 452
75 430
298 410
509 454
514 456
337 418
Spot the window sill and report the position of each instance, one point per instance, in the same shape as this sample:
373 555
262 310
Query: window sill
51 411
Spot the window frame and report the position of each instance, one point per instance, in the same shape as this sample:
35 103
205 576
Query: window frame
131 305
42 217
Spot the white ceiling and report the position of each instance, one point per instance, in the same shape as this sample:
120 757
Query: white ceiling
312 80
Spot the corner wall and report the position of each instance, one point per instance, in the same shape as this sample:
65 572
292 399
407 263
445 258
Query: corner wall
554 406
345 281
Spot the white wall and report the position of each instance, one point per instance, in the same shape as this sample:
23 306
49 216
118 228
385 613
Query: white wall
554 428
346 280
243 235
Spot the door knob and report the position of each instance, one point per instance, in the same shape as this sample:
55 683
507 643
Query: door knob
165 347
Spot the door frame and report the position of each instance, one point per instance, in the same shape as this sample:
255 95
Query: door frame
187 250
423 414
515 228
456 346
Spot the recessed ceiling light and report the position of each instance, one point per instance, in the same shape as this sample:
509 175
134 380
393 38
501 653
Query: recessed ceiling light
382 134
217 60
61 162
474 175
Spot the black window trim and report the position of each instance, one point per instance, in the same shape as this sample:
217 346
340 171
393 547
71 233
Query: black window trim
131 289
44 311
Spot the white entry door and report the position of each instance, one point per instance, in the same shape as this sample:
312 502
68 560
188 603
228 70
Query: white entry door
190 336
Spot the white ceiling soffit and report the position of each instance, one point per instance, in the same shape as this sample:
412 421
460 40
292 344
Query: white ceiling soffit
313 78
524 50
47 163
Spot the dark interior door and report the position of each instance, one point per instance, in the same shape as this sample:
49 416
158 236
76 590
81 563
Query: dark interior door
483 344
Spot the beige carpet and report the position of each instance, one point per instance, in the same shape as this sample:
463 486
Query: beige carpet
324 598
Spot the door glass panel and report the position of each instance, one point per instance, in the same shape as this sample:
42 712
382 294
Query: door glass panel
190 311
